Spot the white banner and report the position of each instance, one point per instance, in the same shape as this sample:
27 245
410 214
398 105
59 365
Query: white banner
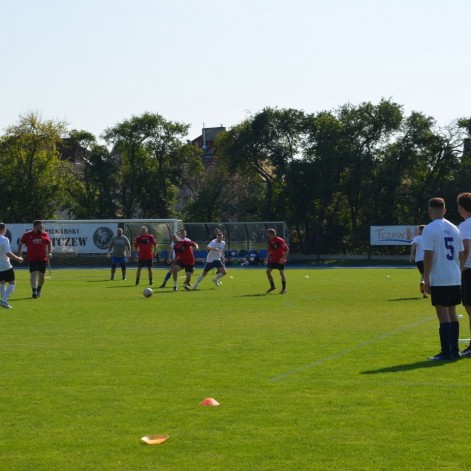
392 235
69 237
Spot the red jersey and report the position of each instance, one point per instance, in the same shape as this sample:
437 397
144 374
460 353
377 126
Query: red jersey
145 243
277 249
184 251
36 245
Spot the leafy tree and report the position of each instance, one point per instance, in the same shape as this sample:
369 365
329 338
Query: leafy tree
33 180
154 163
92 185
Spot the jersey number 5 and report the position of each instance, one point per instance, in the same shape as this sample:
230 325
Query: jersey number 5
449 247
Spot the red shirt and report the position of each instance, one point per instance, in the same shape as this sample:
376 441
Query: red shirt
276 249
144 244
36 243
184 252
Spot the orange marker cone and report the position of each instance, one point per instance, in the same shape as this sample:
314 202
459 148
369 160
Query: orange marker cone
209 401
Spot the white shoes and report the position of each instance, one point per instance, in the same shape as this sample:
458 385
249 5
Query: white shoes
216 282
5 305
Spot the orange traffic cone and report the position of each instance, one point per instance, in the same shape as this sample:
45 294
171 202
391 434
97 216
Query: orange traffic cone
209 401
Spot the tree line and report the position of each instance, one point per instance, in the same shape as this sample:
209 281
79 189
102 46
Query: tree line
330 175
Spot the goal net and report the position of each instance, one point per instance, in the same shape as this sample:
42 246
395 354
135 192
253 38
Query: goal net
80 247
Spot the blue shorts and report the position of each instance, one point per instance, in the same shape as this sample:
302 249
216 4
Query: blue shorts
118 260
214 264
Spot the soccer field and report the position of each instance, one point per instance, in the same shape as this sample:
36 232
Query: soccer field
331 376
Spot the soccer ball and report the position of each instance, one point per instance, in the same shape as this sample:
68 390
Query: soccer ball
148 292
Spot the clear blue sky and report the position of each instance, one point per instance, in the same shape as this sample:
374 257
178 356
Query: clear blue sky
94 63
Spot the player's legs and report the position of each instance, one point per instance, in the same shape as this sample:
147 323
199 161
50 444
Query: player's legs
175 269
149 271
113 269
200 279
270 279
138 273
188 272
466 301
283 281
123 270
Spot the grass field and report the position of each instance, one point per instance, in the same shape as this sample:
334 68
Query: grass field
331 376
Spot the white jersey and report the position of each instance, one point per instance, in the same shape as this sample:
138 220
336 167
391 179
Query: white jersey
419 248
444 239
215 254
5 263
465 229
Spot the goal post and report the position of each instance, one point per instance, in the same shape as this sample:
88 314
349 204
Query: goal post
83 244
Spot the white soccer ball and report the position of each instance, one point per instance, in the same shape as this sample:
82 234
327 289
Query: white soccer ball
148 292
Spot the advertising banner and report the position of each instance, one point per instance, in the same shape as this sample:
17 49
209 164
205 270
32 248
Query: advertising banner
392 235
69 236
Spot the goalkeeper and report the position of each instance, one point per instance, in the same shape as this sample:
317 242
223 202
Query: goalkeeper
118 246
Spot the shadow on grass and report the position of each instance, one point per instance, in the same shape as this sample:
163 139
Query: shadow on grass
407 367
252 295
405 299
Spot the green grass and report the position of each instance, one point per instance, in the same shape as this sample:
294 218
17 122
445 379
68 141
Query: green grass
331 376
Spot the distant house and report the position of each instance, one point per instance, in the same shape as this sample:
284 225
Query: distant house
206 143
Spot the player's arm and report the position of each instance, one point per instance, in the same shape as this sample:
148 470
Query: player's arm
465 253
12 256
428 260
20 248
413 248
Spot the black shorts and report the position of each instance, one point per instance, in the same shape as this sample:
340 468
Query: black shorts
187 268
144 263
276 266
37 265
420 266
446 296
8 275
214 264
466 287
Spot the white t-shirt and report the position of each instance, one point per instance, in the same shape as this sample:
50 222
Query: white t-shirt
5 263
444 239
465 229
419 248
215 254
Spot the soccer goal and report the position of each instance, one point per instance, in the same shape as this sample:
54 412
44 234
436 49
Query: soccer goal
80 247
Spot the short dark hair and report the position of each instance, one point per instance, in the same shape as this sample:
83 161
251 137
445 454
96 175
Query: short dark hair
2 226
436 203
464 200
422 226
36 222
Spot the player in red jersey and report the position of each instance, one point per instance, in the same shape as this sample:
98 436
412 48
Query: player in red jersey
146 247
38 245
185 259
276 259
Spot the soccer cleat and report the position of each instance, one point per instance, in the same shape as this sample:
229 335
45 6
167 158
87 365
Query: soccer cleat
175 288
35 293
137 282
271 289
5 305
185 286
422 287
216 282
38 293
150 282
283 291
441 357
466 352
162 285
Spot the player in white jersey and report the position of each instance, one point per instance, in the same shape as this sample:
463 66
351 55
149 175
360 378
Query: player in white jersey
7 274
417 254
214 259
464 208
443 258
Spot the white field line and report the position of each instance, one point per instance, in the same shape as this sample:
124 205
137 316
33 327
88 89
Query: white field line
342 353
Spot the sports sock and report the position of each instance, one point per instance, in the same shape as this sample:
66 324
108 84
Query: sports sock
454 336
219 275
283 283
445 337
2 290
7 293
272 284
